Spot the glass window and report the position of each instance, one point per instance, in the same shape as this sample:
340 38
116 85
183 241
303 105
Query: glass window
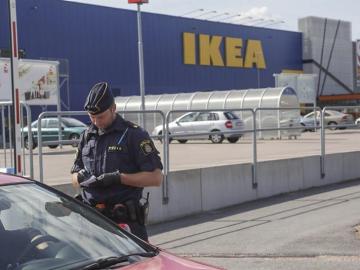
35 123
70 234
52 123
72 122
188 117
312 115
230 116
213 116
333 112
203 117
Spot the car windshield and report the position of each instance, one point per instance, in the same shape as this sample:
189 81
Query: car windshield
312 115
40 229
72 122
334 112
35 123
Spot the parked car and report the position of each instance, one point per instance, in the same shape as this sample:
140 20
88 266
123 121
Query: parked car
42 228
357 122
333 118
205 122
309 123
71 129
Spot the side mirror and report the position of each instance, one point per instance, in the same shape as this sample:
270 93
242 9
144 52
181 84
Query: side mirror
178 123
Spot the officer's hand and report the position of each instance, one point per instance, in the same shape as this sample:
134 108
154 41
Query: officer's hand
83 175
91 182
107 179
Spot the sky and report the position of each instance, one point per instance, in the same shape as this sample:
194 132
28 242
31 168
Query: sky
279 14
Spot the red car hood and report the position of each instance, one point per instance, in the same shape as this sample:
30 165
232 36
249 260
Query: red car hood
167 261
12 179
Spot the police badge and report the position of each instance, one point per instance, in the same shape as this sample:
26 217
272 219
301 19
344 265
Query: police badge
147 147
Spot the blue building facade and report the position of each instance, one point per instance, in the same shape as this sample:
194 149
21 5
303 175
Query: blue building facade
100 44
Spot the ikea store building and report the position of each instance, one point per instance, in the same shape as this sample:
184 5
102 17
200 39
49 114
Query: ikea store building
181 54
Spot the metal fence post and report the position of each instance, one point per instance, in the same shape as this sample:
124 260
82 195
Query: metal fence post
254 142
39 124
322 143
30 140
10 136
165 139
3 132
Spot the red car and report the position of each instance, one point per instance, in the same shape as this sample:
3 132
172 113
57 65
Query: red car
42 228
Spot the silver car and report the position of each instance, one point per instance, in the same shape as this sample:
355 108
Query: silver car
309 123
357 122
333 118
205 122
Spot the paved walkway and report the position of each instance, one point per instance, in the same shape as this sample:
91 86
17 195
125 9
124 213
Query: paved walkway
313 229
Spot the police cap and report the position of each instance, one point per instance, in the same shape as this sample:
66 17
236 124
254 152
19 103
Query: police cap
100 98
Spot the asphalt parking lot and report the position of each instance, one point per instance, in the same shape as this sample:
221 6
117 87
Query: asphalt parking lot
200 154
313 229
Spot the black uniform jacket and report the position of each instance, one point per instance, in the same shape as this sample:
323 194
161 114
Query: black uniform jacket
123 147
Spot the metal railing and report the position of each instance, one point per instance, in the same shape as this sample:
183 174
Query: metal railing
166 136
323 127
39 135
6 106
73 113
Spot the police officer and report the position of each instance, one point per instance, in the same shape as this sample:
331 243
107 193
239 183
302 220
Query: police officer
115 160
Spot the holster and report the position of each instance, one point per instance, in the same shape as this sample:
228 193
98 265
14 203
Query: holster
120 213
125 212
129 211
133 211
143 210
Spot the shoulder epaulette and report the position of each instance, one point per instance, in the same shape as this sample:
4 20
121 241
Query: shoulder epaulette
131 124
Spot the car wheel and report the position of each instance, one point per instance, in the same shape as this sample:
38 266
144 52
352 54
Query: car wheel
233 139
216 138
26 143
304 129
160 139
53 146
74 137
332 125
182 141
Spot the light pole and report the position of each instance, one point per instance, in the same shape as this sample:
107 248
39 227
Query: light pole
141 58
230 17
216 16
266 21
192 11
14 60
241 19
256 22
274 23
205 13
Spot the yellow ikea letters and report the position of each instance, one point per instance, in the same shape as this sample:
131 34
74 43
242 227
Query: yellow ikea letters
210 52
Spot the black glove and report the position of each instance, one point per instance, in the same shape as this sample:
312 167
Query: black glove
83 175
107 179
104 180
90 182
